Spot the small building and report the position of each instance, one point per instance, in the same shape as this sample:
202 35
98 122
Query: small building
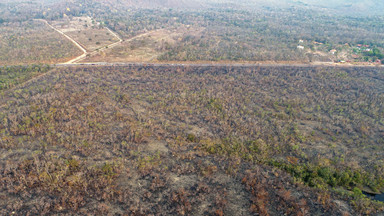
301 41
333 51
300 47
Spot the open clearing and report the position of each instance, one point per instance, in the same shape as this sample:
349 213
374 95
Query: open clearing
87 32
145 47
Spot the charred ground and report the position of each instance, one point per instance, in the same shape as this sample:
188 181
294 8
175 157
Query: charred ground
191 140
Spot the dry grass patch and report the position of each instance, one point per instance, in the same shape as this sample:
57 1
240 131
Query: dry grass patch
87 32
33 42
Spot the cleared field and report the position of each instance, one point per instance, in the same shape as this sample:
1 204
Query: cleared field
145 47
90 34
33 42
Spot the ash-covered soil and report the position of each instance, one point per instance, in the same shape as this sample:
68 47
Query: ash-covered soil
162 140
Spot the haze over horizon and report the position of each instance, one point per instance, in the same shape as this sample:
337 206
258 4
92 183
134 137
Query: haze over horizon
340 7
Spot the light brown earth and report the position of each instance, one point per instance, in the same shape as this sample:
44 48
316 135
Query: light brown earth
88 33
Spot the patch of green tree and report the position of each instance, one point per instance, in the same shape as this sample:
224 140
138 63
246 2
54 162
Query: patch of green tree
375 53
14 75
317 176
323 176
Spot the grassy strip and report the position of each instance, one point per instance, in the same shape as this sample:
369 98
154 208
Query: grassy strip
317 176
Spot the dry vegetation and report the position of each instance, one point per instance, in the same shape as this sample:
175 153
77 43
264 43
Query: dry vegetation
216 33
33 42
265 35
146 139
141 140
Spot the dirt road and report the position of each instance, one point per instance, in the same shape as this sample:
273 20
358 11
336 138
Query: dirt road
117 43
73 41
85 53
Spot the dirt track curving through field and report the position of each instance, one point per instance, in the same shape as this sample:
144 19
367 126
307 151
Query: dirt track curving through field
103 48
85 52
114 34
117 43
72 40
